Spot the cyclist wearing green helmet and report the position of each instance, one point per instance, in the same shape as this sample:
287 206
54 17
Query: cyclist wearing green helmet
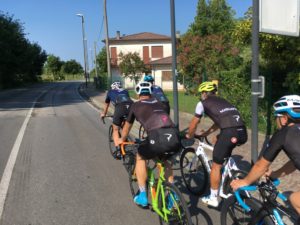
233 132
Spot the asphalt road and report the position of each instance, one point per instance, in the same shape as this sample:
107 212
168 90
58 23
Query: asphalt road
63 172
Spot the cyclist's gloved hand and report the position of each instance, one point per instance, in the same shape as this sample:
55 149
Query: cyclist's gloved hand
236 184
102 115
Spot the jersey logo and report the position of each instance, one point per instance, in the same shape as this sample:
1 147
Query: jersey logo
169 136
152 142
164 118
236 117
127 106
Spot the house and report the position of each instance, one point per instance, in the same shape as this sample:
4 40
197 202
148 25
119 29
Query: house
154 49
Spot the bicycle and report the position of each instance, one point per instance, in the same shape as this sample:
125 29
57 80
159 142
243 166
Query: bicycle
270 210
195 168
123 155
160 191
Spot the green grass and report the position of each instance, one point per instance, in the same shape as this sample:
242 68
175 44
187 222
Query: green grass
186 103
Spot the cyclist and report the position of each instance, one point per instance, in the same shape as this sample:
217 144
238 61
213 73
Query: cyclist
122 102
158 93
232 132
287 112
162 136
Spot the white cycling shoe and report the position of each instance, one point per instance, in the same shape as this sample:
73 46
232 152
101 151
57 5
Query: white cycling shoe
211 201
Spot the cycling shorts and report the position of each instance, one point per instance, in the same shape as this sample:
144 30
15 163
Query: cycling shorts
121 113
159 141
228 139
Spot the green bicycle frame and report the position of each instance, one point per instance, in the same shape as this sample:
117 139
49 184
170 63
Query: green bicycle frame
156 189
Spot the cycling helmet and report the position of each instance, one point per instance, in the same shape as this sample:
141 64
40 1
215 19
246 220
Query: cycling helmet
288 104
148 78
116 85
143 88
207 86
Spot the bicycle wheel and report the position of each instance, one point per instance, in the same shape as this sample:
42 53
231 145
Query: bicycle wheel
193 171
129 159
134 187
178 213
142 133
233 214
111 144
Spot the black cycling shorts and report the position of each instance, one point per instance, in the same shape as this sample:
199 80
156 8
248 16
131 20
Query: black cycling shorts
121 113
160 141
228 139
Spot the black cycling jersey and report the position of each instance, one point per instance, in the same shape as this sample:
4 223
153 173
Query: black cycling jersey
150 113
220 111
288 139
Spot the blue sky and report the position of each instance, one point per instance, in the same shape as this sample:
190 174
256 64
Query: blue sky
53 24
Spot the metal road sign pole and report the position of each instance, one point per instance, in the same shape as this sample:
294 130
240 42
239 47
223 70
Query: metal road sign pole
254 81
174 65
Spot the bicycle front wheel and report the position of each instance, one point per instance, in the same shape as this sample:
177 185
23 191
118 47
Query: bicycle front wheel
111 144
233 214
175 210
193 171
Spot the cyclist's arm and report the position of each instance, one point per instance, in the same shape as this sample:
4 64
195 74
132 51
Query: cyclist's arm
105 109
193 127
258 170
286 169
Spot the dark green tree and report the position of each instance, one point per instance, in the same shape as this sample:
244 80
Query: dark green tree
20 60
132 66
102 61
72 67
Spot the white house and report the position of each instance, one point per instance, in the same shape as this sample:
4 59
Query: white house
154 49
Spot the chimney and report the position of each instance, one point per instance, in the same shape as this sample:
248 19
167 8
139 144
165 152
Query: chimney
118 35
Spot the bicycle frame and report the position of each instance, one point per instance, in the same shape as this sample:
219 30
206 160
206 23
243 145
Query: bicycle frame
226 170
272 208
156 188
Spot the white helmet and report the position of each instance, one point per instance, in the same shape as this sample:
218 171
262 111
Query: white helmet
287 104
116 85
143 88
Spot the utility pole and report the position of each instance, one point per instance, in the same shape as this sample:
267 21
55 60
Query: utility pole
174 64
84 48
109 77
95 51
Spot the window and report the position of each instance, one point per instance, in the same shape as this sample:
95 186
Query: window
166 75
157 51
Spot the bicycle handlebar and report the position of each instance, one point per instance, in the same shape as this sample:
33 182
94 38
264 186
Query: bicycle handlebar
274 182
123 152
103 118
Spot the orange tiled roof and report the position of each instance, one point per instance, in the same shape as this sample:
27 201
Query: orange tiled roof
144 36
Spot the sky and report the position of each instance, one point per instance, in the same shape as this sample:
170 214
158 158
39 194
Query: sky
53 24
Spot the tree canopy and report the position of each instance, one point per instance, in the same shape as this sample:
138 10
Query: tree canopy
20 60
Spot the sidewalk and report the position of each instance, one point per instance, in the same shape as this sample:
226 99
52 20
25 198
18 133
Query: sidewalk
242 153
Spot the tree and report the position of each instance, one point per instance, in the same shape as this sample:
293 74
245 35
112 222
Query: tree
20 60
53 66
72 67
102 61
279 56
132 66
200 56
214 17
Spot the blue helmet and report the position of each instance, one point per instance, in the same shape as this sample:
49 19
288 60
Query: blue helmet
289 104
148 78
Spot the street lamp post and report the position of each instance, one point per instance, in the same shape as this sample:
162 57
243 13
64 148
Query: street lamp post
84 47
109 76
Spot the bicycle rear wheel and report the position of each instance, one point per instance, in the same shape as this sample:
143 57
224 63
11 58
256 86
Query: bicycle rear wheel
193 171
178 212
233 214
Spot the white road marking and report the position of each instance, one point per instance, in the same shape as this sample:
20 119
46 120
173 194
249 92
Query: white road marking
6 177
